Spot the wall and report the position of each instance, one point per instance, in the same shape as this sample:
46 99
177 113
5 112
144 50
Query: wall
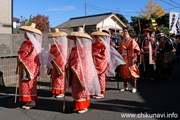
9 46
109 22
5 17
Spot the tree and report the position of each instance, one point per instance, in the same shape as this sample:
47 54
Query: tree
152 7
25 22
42 22
143 22
132 33
166 30
163 20
122 18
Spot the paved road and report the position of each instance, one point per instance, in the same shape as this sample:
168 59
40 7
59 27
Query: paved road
160 97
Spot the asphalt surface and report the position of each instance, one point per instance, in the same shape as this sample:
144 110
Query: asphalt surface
151 98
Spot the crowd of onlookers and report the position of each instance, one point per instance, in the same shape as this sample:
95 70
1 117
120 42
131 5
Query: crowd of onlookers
167 51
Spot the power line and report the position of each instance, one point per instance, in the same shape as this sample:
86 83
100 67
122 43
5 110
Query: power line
121 11
169 4
170 8
175 7
104 10
97 9
175 2
111 9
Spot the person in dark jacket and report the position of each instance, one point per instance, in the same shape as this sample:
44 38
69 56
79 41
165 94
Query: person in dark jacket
164 48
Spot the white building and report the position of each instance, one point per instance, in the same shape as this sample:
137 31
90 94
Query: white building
15 24
107 21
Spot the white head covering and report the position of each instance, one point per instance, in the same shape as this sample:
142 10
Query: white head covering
83 44
59 39
114 58
45 60
61 44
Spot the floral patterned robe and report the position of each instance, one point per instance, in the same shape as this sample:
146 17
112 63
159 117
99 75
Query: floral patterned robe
100 57
58 71
81 98
29 62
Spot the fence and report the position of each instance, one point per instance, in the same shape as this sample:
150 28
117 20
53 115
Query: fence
9 46
8 69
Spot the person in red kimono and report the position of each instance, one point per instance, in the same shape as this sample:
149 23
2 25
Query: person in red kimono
30 62
100 56
148 48
127 48
106 58
82 74
58 48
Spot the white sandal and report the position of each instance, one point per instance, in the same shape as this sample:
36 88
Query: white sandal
98 96
31 104
60 96
25 105
83 111
29 107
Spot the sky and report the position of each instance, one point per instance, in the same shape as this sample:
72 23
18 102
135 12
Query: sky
60 11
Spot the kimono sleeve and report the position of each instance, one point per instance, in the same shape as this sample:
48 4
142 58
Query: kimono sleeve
25 50
120 47
133 47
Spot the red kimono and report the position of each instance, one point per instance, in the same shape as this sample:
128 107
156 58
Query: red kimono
100 57
58 71
128 48
81 98
29 61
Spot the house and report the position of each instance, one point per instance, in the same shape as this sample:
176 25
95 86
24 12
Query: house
15 22
107 21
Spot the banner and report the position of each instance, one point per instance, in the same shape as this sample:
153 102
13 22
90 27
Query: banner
154 24
178 27
173 17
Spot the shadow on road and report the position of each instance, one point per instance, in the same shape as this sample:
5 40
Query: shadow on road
159 97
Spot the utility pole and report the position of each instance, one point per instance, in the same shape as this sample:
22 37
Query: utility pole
85 9
12 15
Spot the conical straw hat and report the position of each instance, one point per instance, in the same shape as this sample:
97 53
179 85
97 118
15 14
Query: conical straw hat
80 33
57 33
31 28
99 33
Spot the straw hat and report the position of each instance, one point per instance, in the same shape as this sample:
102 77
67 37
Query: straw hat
31 28
80 33
99 33
57 33
148 30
